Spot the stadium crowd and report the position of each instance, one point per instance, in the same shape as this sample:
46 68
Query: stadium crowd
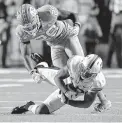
100 30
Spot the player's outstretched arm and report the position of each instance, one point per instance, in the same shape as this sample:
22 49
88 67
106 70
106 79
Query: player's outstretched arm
26 55
28 62
89 98
59 79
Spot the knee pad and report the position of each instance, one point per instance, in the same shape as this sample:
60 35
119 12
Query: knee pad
42 109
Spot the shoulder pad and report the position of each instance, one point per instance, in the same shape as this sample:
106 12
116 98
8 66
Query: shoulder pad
47 13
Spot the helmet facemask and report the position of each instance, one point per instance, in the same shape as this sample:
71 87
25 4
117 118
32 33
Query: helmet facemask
85 73
32 28
90 66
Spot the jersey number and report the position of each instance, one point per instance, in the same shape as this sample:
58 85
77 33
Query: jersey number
51 32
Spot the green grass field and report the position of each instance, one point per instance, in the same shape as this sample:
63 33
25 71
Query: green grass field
17 87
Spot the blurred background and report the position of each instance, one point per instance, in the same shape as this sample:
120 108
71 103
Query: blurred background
100 33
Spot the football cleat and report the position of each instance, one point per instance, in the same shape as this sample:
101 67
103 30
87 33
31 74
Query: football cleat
99 107
37 57
22 109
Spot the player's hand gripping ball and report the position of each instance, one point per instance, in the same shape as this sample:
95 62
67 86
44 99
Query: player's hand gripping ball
36 76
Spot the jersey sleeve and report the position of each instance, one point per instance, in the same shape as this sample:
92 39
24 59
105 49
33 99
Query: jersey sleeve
48 13
99 82
21 35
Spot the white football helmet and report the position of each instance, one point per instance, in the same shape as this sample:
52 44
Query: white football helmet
90 66
28 17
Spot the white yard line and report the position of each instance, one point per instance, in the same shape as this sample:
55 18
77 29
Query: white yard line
10 85
16 80
24 93
113 76
9 71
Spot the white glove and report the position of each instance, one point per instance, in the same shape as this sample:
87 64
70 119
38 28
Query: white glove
70 94
36 76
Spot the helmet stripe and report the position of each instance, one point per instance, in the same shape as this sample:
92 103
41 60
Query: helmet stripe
24 10
26 13
93 61
21 14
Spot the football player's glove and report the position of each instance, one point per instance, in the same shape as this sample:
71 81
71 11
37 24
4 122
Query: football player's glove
37 57
22 109
36 76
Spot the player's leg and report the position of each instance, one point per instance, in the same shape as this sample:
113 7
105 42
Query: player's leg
51 104
59 56
73 47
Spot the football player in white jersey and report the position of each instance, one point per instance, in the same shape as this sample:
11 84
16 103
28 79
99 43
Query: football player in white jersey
85 78
47 24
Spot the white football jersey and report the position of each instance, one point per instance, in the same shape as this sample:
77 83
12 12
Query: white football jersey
93 84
